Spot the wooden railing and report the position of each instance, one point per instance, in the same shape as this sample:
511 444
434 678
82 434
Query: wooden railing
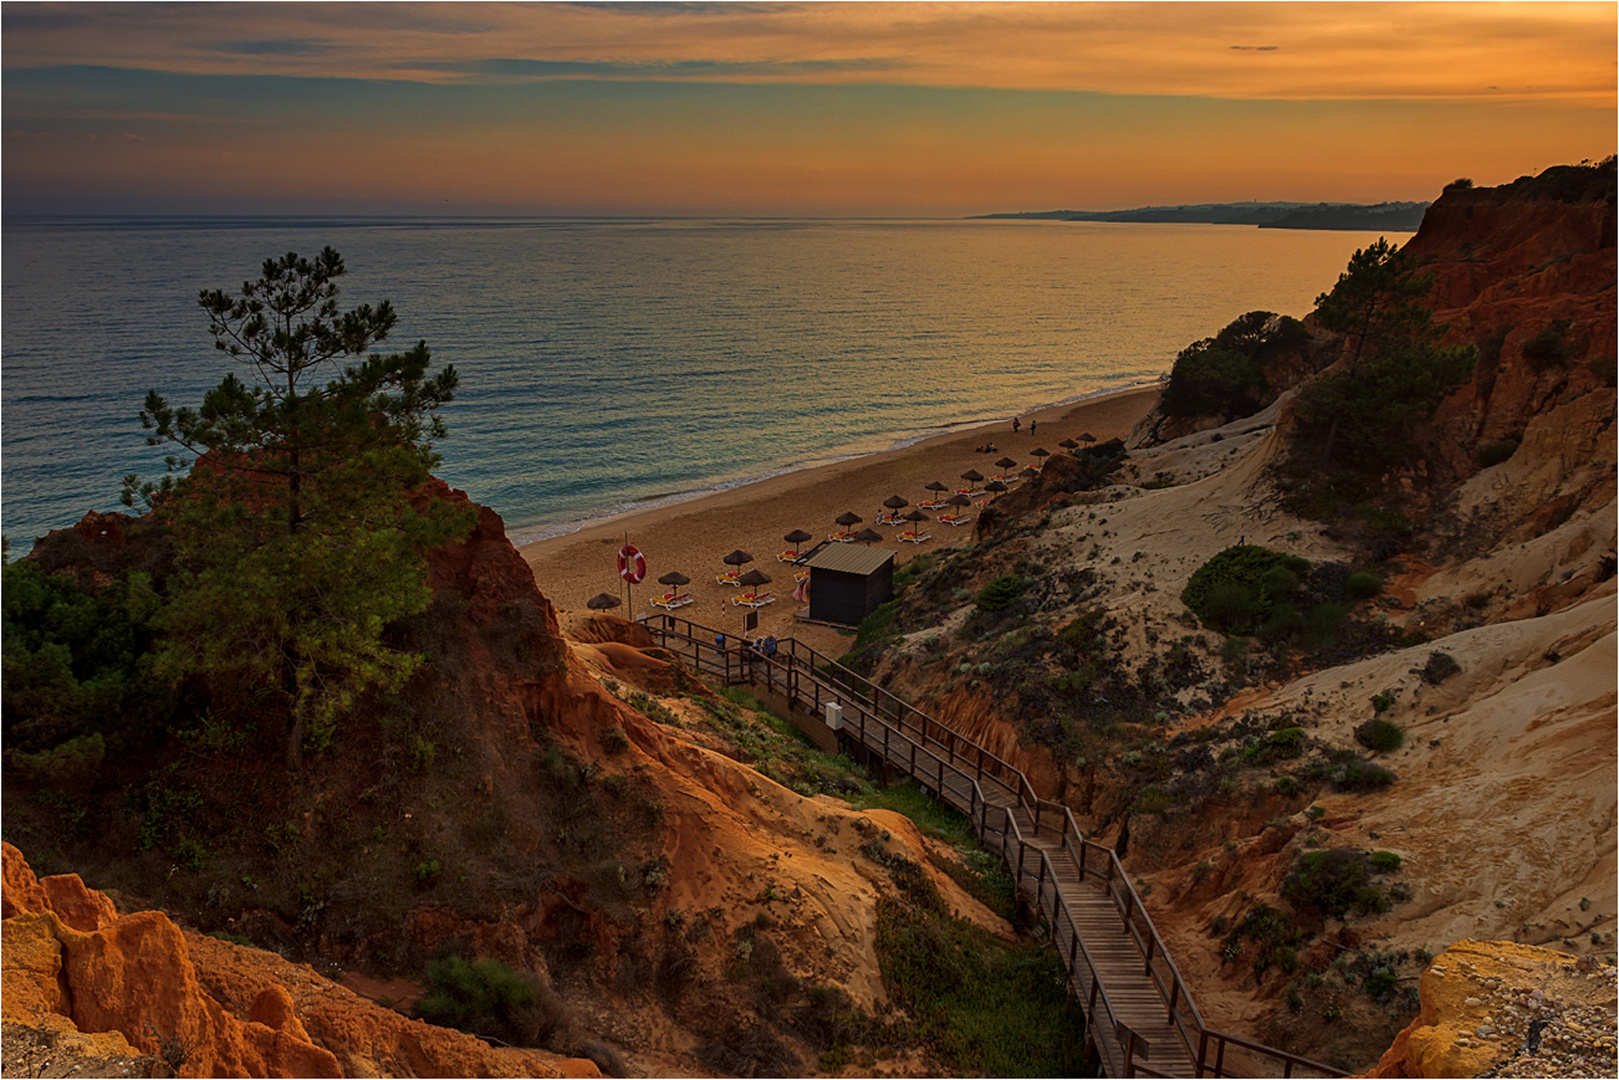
990 792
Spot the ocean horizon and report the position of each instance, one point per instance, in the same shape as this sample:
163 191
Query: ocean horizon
609 365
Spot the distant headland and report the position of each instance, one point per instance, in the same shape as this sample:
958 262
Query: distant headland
1387 216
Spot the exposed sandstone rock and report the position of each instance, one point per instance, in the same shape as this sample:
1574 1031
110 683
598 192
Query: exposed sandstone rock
1497 1008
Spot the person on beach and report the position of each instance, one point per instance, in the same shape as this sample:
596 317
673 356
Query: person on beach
1017 422
1032 423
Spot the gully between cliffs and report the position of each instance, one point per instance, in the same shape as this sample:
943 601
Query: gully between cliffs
1138 1010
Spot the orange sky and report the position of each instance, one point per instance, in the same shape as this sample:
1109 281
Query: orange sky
797 109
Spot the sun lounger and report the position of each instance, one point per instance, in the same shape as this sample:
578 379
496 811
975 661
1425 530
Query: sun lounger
914 538
670 601
787 556
754 600
955 519
890 519
932 504
969 492
728 579
841 537
800 575
1007 478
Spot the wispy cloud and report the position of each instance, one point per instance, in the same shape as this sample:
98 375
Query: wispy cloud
1313 51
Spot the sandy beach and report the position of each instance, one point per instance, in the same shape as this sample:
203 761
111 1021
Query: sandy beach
692 537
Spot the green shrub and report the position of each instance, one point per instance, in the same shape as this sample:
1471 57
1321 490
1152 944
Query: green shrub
1380 735
1385 862
1363 585
1334 882
487 998
1382 702
1325 622
613 739
1277 935
1440 666
1284 623
1358 775
999 594
1240 586
877 625
1546 349
1285 743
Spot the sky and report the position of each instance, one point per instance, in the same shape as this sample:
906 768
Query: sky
785 109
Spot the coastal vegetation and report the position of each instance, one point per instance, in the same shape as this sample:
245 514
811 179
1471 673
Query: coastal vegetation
1224 376
294 543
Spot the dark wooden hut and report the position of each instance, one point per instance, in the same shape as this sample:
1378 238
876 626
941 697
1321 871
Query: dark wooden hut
847 583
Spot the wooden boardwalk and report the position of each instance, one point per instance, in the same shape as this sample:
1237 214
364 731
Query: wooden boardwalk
1138 1012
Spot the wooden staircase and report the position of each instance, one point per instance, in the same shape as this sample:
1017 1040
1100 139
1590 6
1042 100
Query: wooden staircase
1138 1011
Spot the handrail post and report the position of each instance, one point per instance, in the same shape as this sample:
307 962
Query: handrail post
1202 1052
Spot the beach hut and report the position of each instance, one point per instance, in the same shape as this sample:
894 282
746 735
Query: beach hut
849 583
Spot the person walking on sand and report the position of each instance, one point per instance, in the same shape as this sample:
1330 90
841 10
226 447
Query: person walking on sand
1032 422
1017 422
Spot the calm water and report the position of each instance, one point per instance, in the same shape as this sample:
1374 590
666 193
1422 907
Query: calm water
607 364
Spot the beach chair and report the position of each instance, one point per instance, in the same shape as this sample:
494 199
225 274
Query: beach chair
800 575
1006 478
754 600
890 519
914 538
729 578
955 519
788 556
670 601
844 537
969 492
932 504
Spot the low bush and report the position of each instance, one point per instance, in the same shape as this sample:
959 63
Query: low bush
1286 743
1334 883
1380 735
1385 862
999 594
1440 666
487 998
1363 585
1358 775
1239 588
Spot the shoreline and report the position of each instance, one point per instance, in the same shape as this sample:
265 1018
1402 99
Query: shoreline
523 537
692 534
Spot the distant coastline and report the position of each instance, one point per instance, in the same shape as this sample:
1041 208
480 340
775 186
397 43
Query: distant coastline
1387 216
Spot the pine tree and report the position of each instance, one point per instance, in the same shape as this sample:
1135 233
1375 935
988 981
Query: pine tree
295 540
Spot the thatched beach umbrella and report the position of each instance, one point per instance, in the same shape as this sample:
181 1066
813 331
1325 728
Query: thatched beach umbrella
737 559
958 500
894 502
796 537
1040 452
1069 444
973 475
937 488
1087 437
602 601
1029 474
675 579
1005 463
915 517
866 536
847 518
995 486
754 578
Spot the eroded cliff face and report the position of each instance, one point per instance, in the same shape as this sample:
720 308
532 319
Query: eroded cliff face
506 806
1492 646
136 986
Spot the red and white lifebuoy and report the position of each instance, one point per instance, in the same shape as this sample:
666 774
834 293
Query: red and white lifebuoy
631 565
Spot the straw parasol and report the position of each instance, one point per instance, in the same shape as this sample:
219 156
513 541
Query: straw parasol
754 578
796 537
1005 463
958 500
917 516
995 486
974 475
737 558
866 536
1029 474
847 518
1040 452
894 502
1069 444
674 578
1087 437
937 487
602 601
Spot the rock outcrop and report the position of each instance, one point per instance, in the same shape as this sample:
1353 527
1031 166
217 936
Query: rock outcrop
1497 1008
134 985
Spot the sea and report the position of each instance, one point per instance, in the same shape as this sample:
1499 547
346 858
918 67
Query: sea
612 364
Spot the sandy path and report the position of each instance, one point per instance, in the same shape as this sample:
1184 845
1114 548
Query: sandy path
692 537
